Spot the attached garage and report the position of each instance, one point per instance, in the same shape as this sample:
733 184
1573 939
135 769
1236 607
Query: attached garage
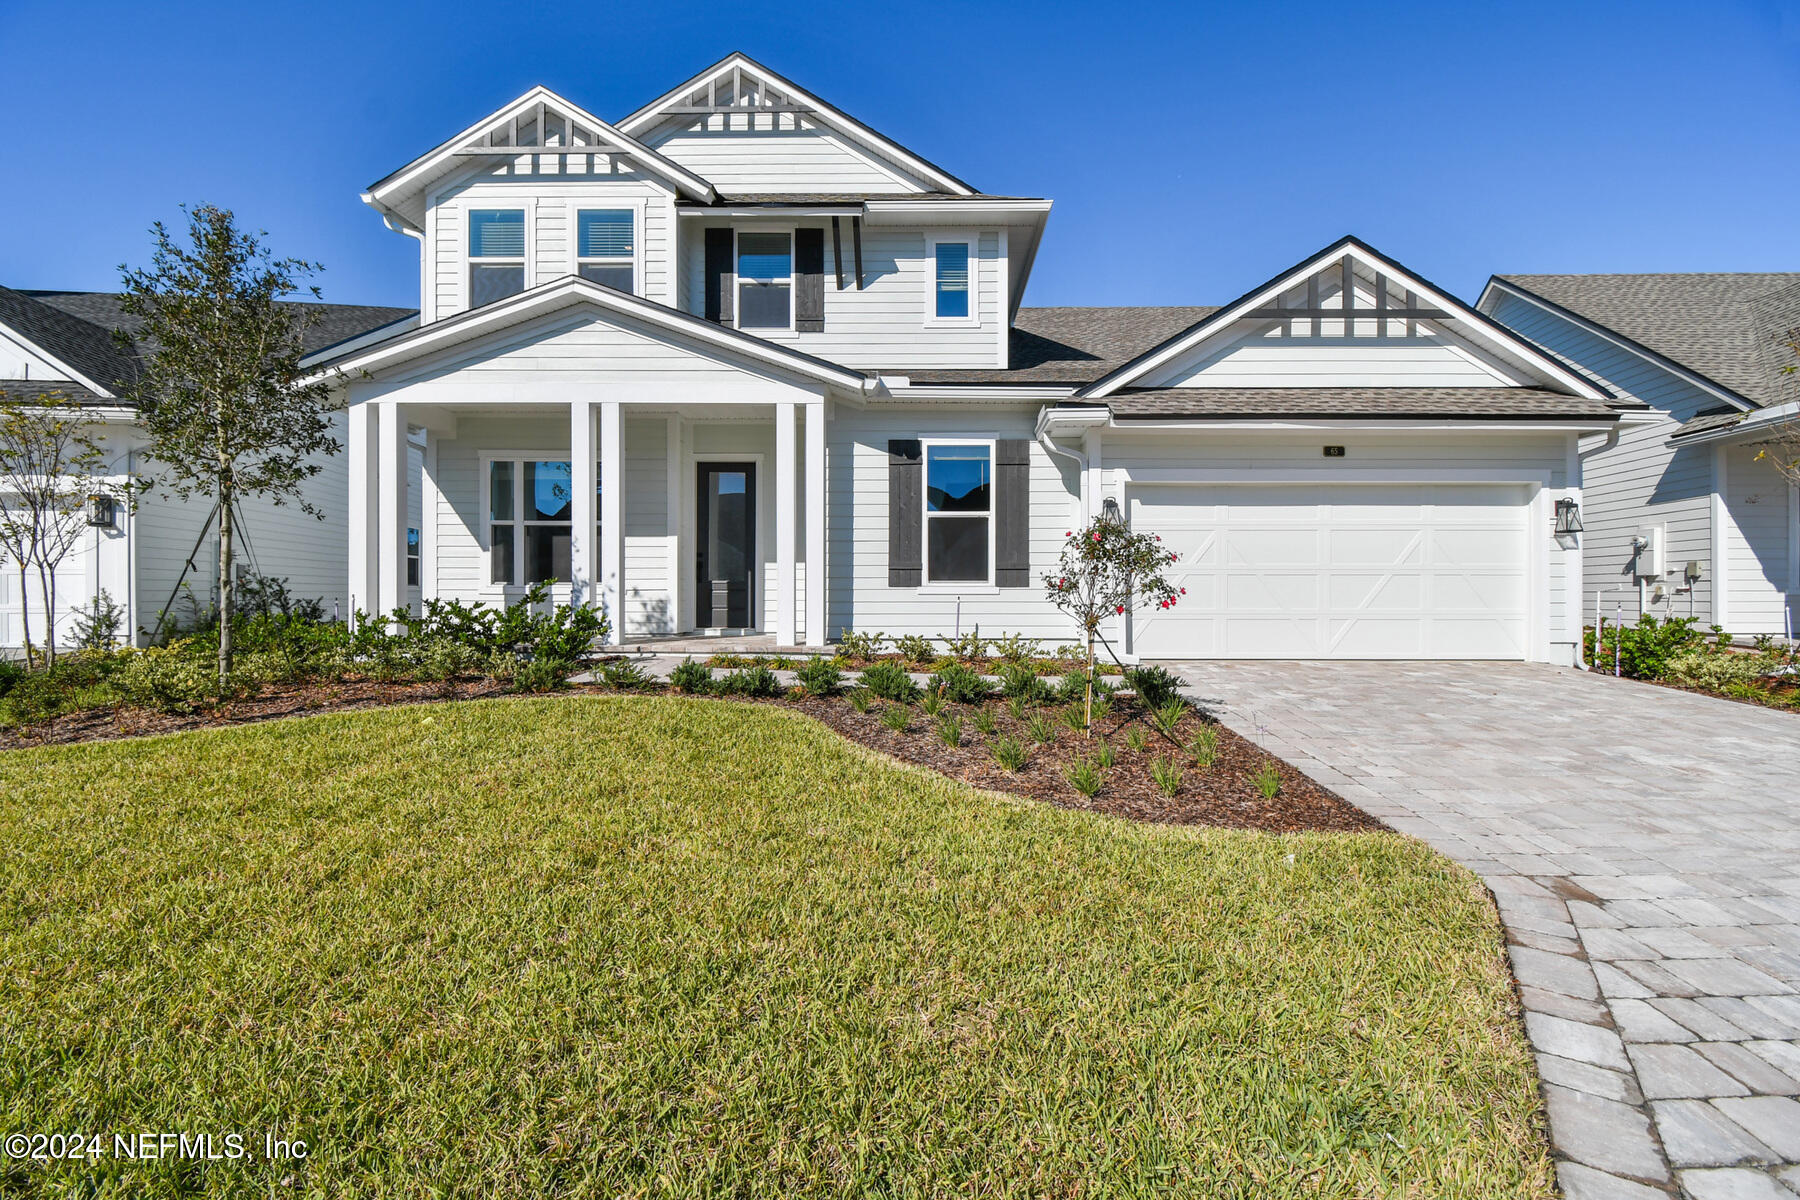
1341 570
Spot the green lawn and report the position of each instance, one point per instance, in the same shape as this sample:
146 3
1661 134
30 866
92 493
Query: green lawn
657 947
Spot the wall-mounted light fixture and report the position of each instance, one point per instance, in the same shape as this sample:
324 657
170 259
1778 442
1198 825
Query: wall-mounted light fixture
101 510
1568 515
1109 512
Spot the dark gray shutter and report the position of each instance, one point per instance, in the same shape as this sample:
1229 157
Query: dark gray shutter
809 280
719 276
905 506
1012 512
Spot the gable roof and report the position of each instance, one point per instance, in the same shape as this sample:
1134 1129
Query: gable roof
569 291
827 115
1483 328
77 329
1072 345
1446 403
391 191
1729 329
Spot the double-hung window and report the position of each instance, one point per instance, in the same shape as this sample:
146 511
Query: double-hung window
529 502
950 280
606 246
959 512
765 280
412 557
496 254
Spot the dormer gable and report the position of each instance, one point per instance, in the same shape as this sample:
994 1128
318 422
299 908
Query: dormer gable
750 130
539 132
1345 317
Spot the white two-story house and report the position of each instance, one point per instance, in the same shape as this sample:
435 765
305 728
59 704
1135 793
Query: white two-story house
737 362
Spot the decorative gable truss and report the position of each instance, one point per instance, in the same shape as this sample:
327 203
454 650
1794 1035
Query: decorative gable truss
1346 317
539 133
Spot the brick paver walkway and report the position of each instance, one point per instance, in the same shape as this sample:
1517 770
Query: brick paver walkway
1643 845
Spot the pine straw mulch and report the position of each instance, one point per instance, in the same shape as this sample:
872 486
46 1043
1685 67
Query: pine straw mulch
1220 795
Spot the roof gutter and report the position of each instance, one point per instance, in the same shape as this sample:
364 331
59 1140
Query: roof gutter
1053 420
1762 421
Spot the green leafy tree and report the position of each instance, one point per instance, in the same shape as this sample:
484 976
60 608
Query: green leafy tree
1106 570
226 406
48 458
1783 447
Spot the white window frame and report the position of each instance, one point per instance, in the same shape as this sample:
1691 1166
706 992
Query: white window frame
528 273
972 240
926 516
737 292
518 458
576 262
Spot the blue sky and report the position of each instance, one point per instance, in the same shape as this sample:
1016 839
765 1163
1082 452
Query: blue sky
1192 149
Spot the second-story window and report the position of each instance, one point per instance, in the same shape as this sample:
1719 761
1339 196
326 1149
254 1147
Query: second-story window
765 280
496 254
949 280
606 246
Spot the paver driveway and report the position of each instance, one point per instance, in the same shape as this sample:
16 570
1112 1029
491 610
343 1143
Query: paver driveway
1644 847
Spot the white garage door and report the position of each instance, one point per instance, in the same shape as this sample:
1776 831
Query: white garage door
71 593
1338 571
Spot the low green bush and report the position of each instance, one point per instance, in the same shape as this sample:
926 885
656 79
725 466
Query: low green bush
541 675
916 649
690 677
623 675
960 685
169 678
1155 686
820 676
1717 671
861 645
890 681
1643 650
1074 687
756 681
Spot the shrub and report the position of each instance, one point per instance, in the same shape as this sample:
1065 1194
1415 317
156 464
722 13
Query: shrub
1074 687
861 645
1155 686
622 674
690 677
949 729
970 645
915 649
1136 738
984 722
1104 754
1644 649
1170 714
1019 682
1205 747
1075 717
1101 707
1017 706
1015 649
861 698
97 625
890 681
755 681
960 685
1166 770
1084 777
540 675
442 658
1267 780
1040 729
11 672
1010 753
896 717
820 676
170 678
1715 671
931 703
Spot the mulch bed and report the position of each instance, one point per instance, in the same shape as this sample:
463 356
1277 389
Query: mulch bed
1221 795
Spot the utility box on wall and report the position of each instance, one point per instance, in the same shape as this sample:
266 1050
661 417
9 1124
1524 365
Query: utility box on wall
1650 547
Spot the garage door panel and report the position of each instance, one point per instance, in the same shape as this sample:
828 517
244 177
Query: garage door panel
1339 571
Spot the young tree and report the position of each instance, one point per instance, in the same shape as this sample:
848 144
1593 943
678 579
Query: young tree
1106 570
226 406
47 458
1783 446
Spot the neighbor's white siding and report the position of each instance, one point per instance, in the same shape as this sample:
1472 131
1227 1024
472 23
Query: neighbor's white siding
18 360
884 324
1756 543
1642 480
776 153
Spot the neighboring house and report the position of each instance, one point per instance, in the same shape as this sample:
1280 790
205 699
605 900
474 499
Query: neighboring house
62 342
740 362
1682 517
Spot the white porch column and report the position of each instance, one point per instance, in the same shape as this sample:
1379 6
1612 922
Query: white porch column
1721 550
815 524
612 519
391 482
786 477
362 511
582 510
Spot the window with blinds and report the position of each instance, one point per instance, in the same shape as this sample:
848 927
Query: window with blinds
496 254
606 246
765 274
952 275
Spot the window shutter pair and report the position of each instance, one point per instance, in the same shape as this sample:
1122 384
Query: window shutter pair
1012 512
809 279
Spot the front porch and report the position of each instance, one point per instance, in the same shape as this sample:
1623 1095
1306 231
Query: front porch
692 525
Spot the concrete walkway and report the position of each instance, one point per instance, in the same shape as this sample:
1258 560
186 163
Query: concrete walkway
1644 847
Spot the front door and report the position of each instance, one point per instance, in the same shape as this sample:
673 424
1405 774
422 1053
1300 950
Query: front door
727 545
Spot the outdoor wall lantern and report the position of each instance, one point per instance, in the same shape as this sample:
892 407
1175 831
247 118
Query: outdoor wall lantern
1568 516
1109 512
100 510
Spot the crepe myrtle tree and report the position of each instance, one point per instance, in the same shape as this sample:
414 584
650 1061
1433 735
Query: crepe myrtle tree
226 406
1106 570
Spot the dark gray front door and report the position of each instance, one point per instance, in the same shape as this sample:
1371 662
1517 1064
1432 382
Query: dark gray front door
727 545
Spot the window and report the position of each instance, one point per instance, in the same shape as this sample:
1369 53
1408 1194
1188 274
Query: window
496 254
606 240
765 280
950 274
528 520
412 558
959 512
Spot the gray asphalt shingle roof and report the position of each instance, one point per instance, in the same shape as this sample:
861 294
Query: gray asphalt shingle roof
1731 328
86 348
1074 345
1454 403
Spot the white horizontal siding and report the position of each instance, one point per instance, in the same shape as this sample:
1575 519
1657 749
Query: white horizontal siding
1287 355
1641 481
776 153
19 360
884 324
1756 528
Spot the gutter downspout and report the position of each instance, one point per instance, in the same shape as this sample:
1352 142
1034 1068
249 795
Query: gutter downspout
1609 442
